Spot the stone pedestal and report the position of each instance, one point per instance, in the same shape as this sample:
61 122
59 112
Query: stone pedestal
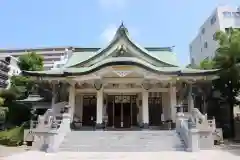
99 126
206 140
237 130
193 140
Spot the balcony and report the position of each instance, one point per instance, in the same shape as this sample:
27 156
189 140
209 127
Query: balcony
3 76
3 84
4 66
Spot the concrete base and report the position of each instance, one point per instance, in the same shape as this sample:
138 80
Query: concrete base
144 125
99 126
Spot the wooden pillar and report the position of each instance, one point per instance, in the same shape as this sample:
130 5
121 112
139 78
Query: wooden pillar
173 102
145 109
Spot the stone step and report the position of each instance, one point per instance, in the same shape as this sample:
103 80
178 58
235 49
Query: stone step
121 141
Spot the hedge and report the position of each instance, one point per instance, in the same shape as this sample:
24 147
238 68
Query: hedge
12 137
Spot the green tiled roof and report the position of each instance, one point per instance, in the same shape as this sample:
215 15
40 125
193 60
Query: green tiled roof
123 60
168 57
177 71
158 55
79 57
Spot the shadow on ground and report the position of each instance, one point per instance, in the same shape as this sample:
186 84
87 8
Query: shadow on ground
233 148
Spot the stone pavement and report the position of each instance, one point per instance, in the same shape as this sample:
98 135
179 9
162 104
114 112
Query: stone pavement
7 151
127 145
122 141
166 155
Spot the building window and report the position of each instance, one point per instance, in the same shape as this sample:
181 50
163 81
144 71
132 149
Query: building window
190 48
192 61
214 36
236 14
203 30
205 45
228 30
201 49
227 14
213 19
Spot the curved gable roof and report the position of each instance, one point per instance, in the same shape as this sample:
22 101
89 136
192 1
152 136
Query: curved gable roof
73 71
163 56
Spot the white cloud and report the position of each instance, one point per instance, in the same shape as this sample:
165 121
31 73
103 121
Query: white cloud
112 3
108 34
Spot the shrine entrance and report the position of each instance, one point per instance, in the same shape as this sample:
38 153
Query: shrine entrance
122 111
89 110
155 109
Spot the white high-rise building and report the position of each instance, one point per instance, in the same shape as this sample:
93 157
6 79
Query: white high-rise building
203 45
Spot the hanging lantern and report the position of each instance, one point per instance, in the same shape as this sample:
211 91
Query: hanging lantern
98 85
146 85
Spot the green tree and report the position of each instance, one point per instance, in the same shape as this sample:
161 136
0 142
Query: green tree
31 62
207 64
1 101
227 58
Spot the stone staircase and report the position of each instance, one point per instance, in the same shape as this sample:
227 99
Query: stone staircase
121 141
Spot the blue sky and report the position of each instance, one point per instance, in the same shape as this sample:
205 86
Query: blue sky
90 23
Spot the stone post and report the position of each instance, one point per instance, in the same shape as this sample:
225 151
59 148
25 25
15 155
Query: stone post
99 121
145 110
193 140
179 118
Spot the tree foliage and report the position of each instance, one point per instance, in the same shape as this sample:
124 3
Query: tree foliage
207 64
31 62
1 101
227 58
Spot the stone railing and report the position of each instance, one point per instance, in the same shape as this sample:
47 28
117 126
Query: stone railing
58 107
50 129
188 133
196 131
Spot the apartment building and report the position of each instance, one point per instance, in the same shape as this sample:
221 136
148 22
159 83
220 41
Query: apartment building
8 68
50 55
204 45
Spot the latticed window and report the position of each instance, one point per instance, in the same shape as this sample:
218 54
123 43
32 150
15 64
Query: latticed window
122 99
89 100
134 99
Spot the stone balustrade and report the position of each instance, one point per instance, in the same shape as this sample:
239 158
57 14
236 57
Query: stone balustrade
196 130
50 129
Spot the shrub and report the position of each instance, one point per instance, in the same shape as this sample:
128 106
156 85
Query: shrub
18 114
3 114
12 137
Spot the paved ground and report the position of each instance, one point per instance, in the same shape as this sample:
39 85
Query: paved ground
167 155
7 151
